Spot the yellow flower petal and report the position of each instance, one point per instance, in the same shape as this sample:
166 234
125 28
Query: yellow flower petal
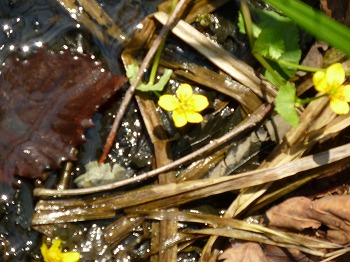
199 103
56 246
320 82
339 107
179 118
335 74
184 92
55 254
346 92
168 102
193 117
70 257
45 252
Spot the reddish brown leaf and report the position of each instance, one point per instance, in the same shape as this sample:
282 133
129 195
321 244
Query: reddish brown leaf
293 213
46 102
299 213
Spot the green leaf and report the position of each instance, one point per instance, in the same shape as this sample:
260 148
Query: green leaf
241 26
269 44
159 86
285 104
272 78
315 22
277 38
132 71
287 31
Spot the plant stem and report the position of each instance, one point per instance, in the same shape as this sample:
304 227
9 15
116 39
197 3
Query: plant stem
248 24
129 94
304 68
303 101
154 69
269 68
249 29
299 67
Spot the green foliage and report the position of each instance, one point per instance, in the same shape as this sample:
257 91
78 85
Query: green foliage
277 40
315 22
131 73
285 103
269 44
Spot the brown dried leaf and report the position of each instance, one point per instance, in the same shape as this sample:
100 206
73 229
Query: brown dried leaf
299 213
246 252
337 9
280 254
46 102
293 213
314 57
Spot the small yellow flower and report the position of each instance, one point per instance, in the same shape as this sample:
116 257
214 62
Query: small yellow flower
185 106
331 83
55 254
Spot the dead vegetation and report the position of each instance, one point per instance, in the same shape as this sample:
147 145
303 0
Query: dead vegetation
257 225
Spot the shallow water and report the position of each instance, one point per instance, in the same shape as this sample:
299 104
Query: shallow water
26 25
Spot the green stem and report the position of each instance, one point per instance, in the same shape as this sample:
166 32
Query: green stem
269 68
157 93
154 69
304 68
248 23
303 101
156 60
299 67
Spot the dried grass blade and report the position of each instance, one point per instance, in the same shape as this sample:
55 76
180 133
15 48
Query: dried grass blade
172 194
121 228
249 236
162 152
250 122
93 12
220 57
230 223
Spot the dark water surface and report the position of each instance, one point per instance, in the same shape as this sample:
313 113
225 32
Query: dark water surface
26 25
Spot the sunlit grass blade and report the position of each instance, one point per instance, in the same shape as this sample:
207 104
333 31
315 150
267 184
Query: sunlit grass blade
315 22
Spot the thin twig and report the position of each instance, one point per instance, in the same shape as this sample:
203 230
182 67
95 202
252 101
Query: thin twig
129 94
250 122
163 196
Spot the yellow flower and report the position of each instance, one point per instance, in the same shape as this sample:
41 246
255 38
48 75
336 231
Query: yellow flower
331 83
55 254
185 106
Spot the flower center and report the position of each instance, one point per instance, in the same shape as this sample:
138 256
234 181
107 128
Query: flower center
336 92
187 105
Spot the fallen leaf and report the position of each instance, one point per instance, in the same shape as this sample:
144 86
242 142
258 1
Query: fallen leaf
293 213
314 57
280 254
246 252
299 213
46 102
337 9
